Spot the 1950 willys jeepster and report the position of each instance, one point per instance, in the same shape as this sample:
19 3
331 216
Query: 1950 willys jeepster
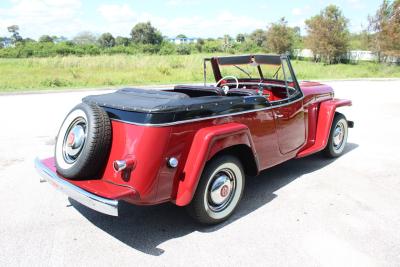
193 145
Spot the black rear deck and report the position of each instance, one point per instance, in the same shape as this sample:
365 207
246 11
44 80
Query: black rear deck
146 106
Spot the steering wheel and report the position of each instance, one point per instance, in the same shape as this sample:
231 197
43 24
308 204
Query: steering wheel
226 87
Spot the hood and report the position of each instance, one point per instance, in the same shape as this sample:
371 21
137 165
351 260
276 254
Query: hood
315 88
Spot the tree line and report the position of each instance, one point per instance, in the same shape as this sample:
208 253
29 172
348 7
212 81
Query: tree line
327 35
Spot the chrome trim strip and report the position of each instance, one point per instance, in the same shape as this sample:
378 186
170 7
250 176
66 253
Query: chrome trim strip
100 204
206 118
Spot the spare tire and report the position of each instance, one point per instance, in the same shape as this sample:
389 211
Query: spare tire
83 142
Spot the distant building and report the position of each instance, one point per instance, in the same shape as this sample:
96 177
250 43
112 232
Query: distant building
353 56
183 40
357 55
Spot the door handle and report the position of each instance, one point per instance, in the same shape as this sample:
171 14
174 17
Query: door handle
278 115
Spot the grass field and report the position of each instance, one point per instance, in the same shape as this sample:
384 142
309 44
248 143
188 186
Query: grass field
102 71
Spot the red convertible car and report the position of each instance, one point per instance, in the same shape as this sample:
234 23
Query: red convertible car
193 145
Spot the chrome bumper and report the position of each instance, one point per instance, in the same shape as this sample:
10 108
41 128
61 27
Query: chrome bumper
100 204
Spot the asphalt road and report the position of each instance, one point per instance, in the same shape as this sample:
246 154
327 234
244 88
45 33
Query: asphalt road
308 212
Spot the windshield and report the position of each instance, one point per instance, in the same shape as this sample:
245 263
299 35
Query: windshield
257 71
240 71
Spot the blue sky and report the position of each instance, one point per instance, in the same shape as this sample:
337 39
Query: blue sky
196 18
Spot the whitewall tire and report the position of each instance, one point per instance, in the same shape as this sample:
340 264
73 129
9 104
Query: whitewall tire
219 190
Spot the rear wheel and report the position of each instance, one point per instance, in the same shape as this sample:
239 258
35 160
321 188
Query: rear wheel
338 137
83 142
219 190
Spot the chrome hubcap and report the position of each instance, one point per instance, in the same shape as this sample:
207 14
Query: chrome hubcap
221 190
338 135
74 140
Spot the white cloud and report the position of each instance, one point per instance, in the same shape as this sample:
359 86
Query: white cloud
356 4
117 13
300 11
65 17
297 11
42 16
181 2
197 26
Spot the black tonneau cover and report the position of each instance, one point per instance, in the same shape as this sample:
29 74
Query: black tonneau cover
156 101
140 100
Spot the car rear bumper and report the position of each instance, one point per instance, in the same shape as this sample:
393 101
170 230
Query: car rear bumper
95 202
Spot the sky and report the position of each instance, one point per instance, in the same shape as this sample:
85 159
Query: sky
194 18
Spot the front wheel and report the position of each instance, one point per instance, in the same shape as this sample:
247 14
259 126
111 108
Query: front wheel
219 191
337 137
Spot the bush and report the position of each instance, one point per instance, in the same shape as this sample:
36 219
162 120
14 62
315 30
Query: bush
167 48
56 82
183 49
48 49
249 47
129 50
147 48
213 46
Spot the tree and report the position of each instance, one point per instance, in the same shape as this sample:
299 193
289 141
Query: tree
298 41
227 39
259 37
15 37
227 42
199 44
29 40
240 38
106 40
45 39
181 36
359 41
328 34
145 33
385 29
85 37
59 39
280 37
121 41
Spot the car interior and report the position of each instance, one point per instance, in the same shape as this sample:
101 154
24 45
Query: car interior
273 92
265 76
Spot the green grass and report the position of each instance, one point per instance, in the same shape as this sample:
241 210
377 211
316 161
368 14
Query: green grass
101 71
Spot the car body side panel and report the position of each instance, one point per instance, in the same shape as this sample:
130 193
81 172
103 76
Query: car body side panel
326 114
146 145
208 140
260 126
314 94
290 126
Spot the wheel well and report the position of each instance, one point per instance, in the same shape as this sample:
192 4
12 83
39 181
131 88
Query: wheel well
245 155
339 113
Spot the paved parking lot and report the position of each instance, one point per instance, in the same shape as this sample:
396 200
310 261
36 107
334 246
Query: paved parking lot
308 212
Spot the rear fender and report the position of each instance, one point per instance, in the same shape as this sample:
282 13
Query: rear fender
206 143
326 114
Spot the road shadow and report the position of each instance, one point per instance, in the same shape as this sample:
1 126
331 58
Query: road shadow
146 227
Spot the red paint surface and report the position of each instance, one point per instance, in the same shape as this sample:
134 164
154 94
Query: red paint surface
301 129
96 186
200 149
325 117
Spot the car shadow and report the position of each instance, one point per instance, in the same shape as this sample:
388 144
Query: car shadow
146 227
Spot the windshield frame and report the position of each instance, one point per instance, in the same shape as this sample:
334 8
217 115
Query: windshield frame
253 59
